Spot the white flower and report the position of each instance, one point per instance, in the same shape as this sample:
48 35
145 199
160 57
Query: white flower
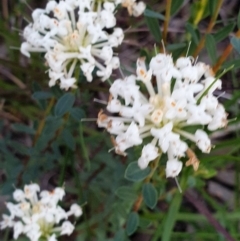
173 168
7 222
18 229
66 228
202 140
52 238
165 136
73 33
135 9
149 153
182 97
75 210
39 215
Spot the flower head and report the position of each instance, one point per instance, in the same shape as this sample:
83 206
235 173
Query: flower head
181 98
38 215
74 34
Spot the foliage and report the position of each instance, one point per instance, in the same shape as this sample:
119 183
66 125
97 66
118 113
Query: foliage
46 136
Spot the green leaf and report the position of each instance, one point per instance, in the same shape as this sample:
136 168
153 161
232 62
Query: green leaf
150 195
235 63
211 47
153 26
64 104
132 223
23 128
120 235
236 43
152 14
173 47
77 113
176 5
212 6
126 193
168 226
69 139
190 28
238 20
42 95
223 32
144 223
135 174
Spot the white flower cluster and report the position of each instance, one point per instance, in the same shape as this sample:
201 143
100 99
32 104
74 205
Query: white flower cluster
72 33
134 8
37 217
182 97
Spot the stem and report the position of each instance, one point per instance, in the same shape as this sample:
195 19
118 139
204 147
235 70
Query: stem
83 146
138 202
209 29
63 169
225 54
167 19
6 235
42 123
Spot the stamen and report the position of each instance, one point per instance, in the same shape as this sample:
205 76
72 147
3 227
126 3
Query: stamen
196 61
155 49
188 48
121 72
88 119
24 1
163 45
222 94
100 101
178 185
111 149
27 20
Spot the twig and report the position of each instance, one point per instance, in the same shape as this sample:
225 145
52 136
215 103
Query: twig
167 19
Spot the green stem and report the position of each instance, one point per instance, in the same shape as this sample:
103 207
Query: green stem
42 123
6 235
83 146
63 168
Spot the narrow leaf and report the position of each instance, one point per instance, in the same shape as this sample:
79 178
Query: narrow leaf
190 28
64 104
135 174
235 63
167 228
120 235
152 14
42 95
173 47
224 32
212 6
126 193
23 128
176 6
69 139
211 47
236 43
77 113
153 26
150 196
238 20
132 223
